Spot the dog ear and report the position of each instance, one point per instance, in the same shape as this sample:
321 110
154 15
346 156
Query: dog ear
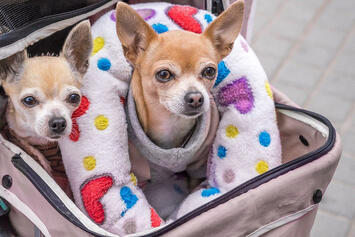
11 66
133 32
225 29
78 47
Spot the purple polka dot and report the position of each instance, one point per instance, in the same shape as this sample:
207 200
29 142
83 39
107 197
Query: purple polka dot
113 16
237 93
146 14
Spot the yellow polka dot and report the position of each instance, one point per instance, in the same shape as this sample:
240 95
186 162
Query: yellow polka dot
261 167
89 163
133 179
101 122
231 131
268 89
99 43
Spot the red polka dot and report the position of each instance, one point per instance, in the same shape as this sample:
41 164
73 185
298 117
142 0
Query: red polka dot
81 110
75 132
155 219
123 100
91 193
184 17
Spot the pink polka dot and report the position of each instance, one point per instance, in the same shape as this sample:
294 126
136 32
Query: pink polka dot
244 46
146 14
228 176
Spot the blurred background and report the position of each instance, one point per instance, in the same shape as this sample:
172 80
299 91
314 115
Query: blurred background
307 48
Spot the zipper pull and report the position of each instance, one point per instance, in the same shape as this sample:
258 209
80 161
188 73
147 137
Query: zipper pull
4 209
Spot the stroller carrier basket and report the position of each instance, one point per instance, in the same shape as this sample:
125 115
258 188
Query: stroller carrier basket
287 196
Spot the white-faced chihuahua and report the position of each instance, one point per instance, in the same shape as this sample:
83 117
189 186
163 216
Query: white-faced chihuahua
44 91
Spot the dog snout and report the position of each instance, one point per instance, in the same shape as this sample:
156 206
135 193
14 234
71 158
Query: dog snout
194 99
57 124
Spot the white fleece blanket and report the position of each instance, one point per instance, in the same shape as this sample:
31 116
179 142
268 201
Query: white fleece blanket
96 153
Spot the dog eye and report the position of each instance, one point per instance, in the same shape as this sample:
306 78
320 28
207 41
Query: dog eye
73 98
209 73
163 76
29 101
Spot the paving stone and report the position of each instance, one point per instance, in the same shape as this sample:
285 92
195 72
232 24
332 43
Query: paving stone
347 6
339 199
260 22
337 127
268 7
269 63
287 28
339 84
349 46
298 95
327 225
333 107
325 37
299 74
352 230
270 44
345 170
345 63
349 144
301 11
315 55
333 19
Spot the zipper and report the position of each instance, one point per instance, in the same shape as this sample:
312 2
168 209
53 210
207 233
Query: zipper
54 200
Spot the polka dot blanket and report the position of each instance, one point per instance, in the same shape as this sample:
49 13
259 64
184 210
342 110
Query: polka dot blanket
96 155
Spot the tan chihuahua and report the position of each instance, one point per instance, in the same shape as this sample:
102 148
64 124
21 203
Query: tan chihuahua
44 91
174 71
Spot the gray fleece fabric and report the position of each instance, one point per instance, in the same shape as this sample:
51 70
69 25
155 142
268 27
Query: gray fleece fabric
174 159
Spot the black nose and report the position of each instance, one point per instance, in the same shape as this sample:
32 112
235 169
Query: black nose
194 99
57 124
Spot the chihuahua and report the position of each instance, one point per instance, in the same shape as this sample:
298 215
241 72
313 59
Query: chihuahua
174 71
44 91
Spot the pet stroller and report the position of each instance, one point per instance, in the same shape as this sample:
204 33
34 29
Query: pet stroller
32 204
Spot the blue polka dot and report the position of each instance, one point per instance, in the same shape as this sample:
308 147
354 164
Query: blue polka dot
160 28
223 72
104 64
128 198
222 152
264 138
208 18
209 192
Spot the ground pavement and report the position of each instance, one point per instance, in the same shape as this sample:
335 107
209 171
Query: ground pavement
308 50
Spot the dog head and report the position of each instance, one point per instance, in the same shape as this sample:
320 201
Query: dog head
175 69
44 91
